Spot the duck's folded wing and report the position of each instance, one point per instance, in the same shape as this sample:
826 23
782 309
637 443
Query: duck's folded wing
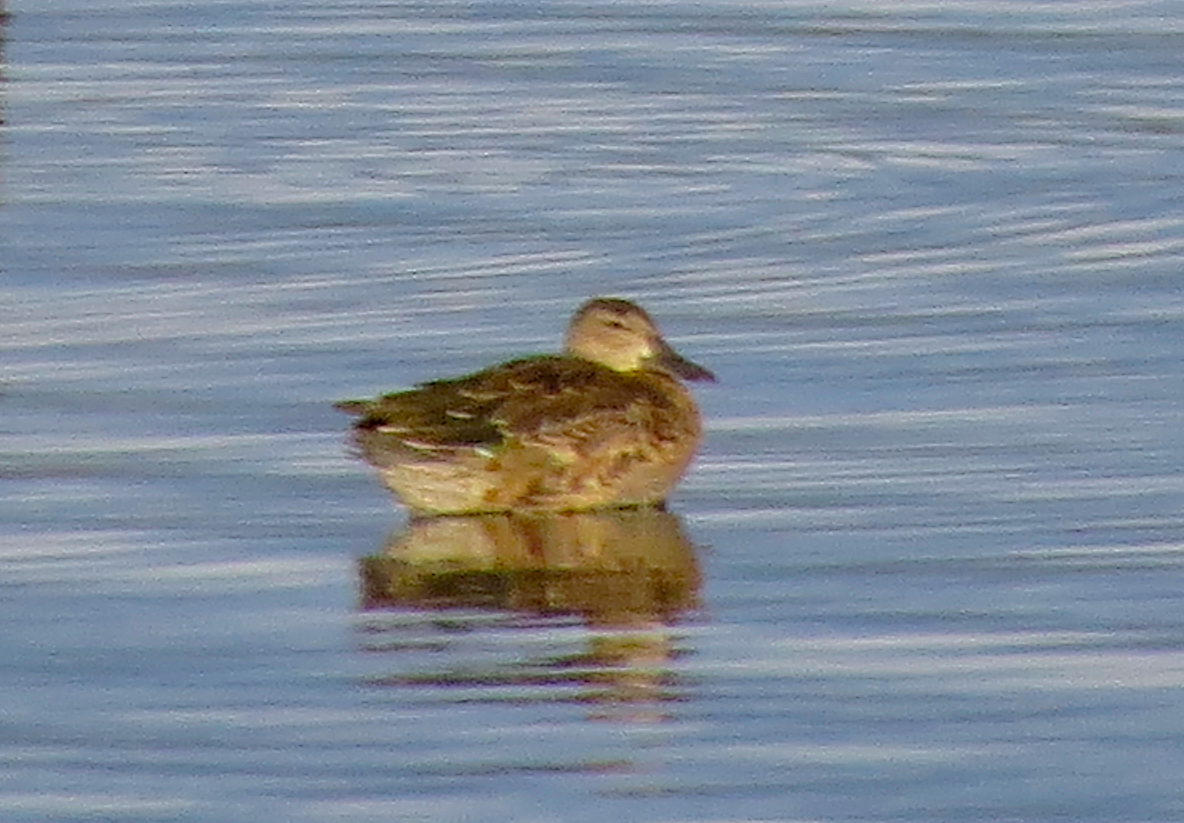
467 411
564 404
610 410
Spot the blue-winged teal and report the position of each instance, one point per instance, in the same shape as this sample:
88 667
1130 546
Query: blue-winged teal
605 424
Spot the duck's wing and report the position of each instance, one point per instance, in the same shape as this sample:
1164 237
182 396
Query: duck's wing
583 408
434 416
550 401
470 411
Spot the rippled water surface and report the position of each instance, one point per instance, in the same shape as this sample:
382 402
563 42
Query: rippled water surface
928 567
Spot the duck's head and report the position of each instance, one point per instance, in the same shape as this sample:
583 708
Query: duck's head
620 335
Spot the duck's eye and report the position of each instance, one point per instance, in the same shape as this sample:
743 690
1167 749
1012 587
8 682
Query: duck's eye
616 324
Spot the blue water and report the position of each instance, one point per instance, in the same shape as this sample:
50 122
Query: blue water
928 566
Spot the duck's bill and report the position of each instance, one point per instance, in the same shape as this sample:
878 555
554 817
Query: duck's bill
675 362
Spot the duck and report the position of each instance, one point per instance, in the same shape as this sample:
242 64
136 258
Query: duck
608 423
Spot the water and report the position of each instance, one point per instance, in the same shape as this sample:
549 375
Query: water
927 567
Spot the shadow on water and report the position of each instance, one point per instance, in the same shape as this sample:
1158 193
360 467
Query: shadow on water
621 578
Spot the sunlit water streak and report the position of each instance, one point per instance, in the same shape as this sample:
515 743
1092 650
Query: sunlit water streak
932 250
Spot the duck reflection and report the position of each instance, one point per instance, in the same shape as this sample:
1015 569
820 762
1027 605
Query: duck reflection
627 575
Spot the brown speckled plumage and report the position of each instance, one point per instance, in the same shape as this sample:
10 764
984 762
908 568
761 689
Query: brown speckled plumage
607 423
